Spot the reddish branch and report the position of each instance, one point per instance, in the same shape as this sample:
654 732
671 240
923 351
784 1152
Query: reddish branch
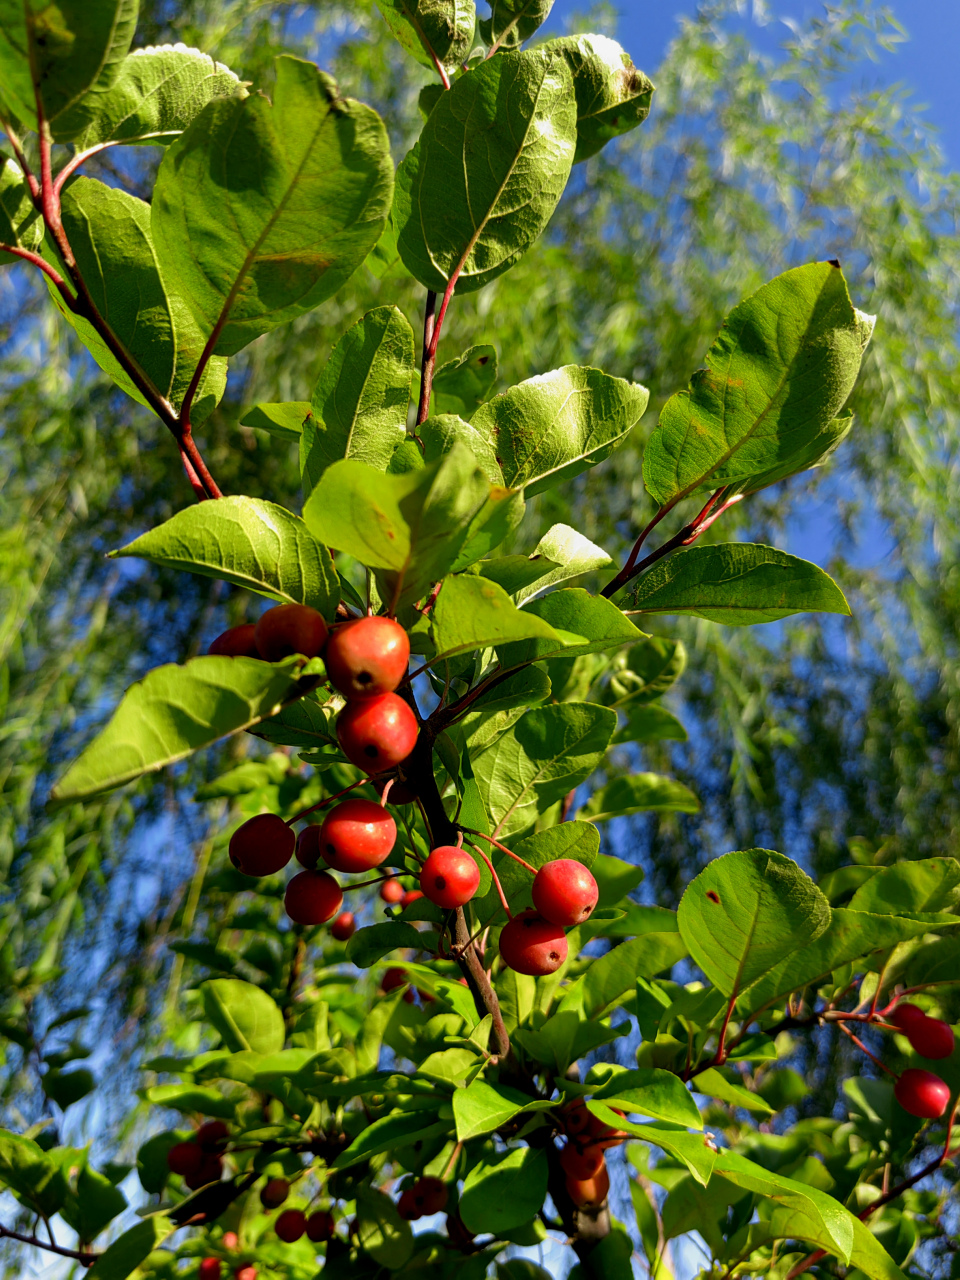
46 196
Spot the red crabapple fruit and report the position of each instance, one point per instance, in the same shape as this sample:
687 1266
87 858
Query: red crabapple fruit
581 1163
377 733
357 835
262 845
290 1225
238 642
589 1193
564 892
367 657
288 629
320 1226
449 877
922 1093
930 1037
274 1192
312 897
392 890
531 945
344 927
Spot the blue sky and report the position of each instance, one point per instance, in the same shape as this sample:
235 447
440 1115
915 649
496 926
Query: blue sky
927 62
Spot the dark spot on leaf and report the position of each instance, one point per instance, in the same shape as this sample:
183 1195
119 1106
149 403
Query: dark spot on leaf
713 896
483 360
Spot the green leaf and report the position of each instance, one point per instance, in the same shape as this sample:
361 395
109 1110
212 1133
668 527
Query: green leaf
830 1217
566 1036
253 544
544 755
59 51
152 1168
499 145
821 443
284 419
744 912
513 21
783 365
411 527
551 428
156 94
304 723
650 724
691 1148
98 1203
359 405
442 431
387 1134
716 1085
615 879
110 235
371 944
461 386
483 1107
612 975
383 1234
504 1191
929 884
639 793
68 1087
190 1099
20 221
851 935
245 1016
613 97
738 584
262 212
133 1247
574 613
174 711
651 1092
473 613
31 1174
434 31
645 672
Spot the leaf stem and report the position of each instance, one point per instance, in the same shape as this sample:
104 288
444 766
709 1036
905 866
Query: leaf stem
503 849
496 880
74 163
428 359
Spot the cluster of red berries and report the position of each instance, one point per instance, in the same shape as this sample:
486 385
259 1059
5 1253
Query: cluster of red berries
426 1196
210 1268
583 1158
292 1224
365 659
533 941
199 1159
922 1093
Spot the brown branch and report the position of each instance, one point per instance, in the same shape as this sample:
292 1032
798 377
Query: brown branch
477 973
78 1255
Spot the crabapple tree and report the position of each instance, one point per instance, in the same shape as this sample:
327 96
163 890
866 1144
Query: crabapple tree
497 1045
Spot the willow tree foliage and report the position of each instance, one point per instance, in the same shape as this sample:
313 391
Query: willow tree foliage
432 284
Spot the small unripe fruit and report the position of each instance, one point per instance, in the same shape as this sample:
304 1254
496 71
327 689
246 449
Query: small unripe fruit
211 1170
245 1273
411 895
367 657
531 945
262 845
431 1195
922 1093
357 835
212 1135
312 897
377 733
209 1269
274 1192
904 1014
320 1227
589 1193
291 1225
185 1159
344 927
407 1206
930 1037
308 847
391 891
288 629
581 1163
238 642
449 877
564 892
230 1240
